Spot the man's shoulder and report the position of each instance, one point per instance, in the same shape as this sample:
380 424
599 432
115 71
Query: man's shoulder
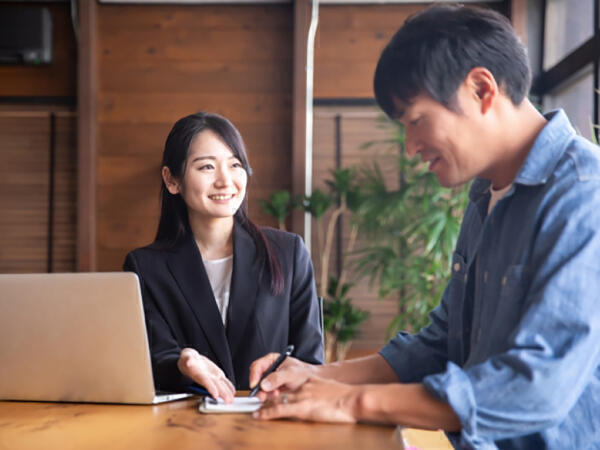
585 158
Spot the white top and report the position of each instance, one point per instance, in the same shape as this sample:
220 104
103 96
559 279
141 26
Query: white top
496 195
219 274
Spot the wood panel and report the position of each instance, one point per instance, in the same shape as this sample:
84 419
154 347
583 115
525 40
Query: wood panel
64 227
159 63
25 165
24 193
87 132
57 79
349 41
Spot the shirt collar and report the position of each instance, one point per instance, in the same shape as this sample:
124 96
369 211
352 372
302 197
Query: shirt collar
543 157
547 149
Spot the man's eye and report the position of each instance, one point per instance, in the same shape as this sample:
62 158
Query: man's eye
415 121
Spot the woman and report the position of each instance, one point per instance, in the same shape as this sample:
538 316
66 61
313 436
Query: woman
218 291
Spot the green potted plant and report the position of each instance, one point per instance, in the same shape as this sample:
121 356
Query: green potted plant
279 206
341 320
410 233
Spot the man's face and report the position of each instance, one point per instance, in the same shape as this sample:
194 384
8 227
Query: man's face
449 141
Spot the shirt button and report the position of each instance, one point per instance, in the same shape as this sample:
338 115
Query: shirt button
504 280
485 276
479 334
456 267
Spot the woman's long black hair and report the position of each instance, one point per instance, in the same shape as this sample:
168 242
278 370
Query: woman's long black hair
174 224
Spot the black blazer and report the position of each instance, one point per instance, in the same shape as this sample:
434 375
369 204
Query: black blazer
181 311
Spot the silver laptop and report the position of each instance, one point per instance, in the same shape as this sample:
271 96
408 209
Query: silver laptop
75 337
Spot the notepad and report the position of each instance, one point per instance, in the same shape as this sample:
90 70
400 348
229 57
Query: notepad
239 405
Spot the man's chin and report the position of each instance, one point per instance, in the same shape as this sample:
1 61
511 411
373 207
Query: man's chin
449 183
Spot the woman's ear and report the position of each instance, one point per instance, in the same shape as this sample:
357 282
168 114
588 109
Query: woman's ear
483 85
170 181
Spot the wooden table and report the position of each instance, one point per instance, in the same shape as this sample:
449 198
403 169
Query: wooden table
178 425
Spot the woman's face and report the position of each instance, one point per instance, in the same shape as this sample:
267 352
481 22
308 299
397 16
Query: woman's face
214 182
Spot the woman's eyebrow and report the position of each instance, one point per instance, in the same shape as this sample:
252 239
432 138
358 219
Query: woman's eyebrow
200 158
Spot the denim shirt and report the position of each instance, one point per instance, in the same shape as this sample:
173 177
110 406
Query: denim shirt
514 346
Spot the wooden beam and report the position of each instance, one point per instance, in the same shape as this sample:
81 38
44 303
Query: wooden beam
518 18
87 88
302 15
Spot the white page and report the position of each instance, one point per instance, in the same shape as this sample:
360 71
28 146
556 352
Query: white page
239 405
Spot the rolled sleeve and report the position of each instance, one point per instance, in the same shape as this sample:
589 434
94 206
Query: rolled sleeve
415 356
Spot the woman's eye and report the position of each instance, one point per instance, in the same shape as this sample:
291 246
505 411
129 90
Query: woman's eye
205 167
237 164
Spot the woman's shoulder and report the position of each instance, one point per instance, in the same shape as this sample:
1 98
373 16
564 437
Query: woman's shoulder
285 242
151 252
280 237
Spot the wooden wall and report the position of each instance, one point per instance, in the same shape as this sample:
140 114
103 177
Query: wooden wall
156 64
38 156
159 63
348 43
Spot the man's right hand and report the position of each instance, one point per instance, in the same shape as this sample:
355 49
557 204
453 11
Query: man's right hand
206 373
290 375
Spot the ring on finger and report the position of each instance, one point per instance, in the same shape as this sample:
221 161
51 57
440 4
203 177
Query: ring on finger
284 399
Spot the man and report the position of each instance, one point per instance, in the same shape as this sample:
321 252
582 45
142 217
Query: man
511 357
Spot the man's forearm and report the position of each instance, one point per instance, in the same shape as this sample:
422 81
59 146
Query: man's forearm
409 405
372 369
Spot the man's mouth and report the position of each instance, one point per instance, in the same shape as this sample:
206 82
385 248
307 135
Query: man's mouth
432 163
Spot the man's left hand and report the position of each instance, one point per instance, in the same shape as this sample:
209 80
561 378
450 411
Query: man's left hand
317 400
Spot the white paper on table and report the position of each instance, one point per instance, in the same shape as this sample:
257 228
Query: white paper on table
239 405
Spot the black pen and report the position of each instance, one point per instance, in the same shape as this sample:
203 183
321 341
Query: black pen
198 390
287 352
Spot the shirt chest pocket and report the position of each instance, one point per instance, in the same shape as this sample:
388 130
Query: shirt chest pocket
513 290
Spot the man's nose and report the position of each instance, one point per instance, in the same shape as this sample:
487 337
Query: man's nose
412 144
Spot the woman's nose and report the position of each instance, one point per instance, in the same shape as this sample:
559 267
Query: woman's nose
223 177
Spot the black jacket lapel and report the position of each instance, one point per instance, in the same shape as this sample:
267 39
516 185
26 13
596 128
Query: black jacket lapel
186 266
244 286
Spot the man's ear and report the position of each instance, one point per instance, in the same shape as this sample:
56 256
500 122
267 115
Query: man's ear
170 181
483 86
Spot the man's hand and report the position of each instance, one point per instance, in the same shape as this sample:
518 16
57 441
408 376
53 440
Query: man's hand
317 400
206 373
290 375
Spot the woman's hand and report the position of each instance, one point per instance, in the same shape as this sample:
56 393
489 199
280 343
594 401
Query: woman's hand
206 373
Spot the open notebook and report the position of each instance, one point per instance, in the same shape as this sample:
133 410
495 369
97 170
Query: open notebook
75 337
239 405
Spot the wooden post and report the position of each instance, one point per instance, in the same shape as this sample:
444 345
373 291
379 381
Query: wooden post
518 18
87 88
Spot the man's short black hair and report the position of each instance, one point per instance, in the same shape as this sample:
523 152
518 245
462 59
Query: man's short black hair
435 50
